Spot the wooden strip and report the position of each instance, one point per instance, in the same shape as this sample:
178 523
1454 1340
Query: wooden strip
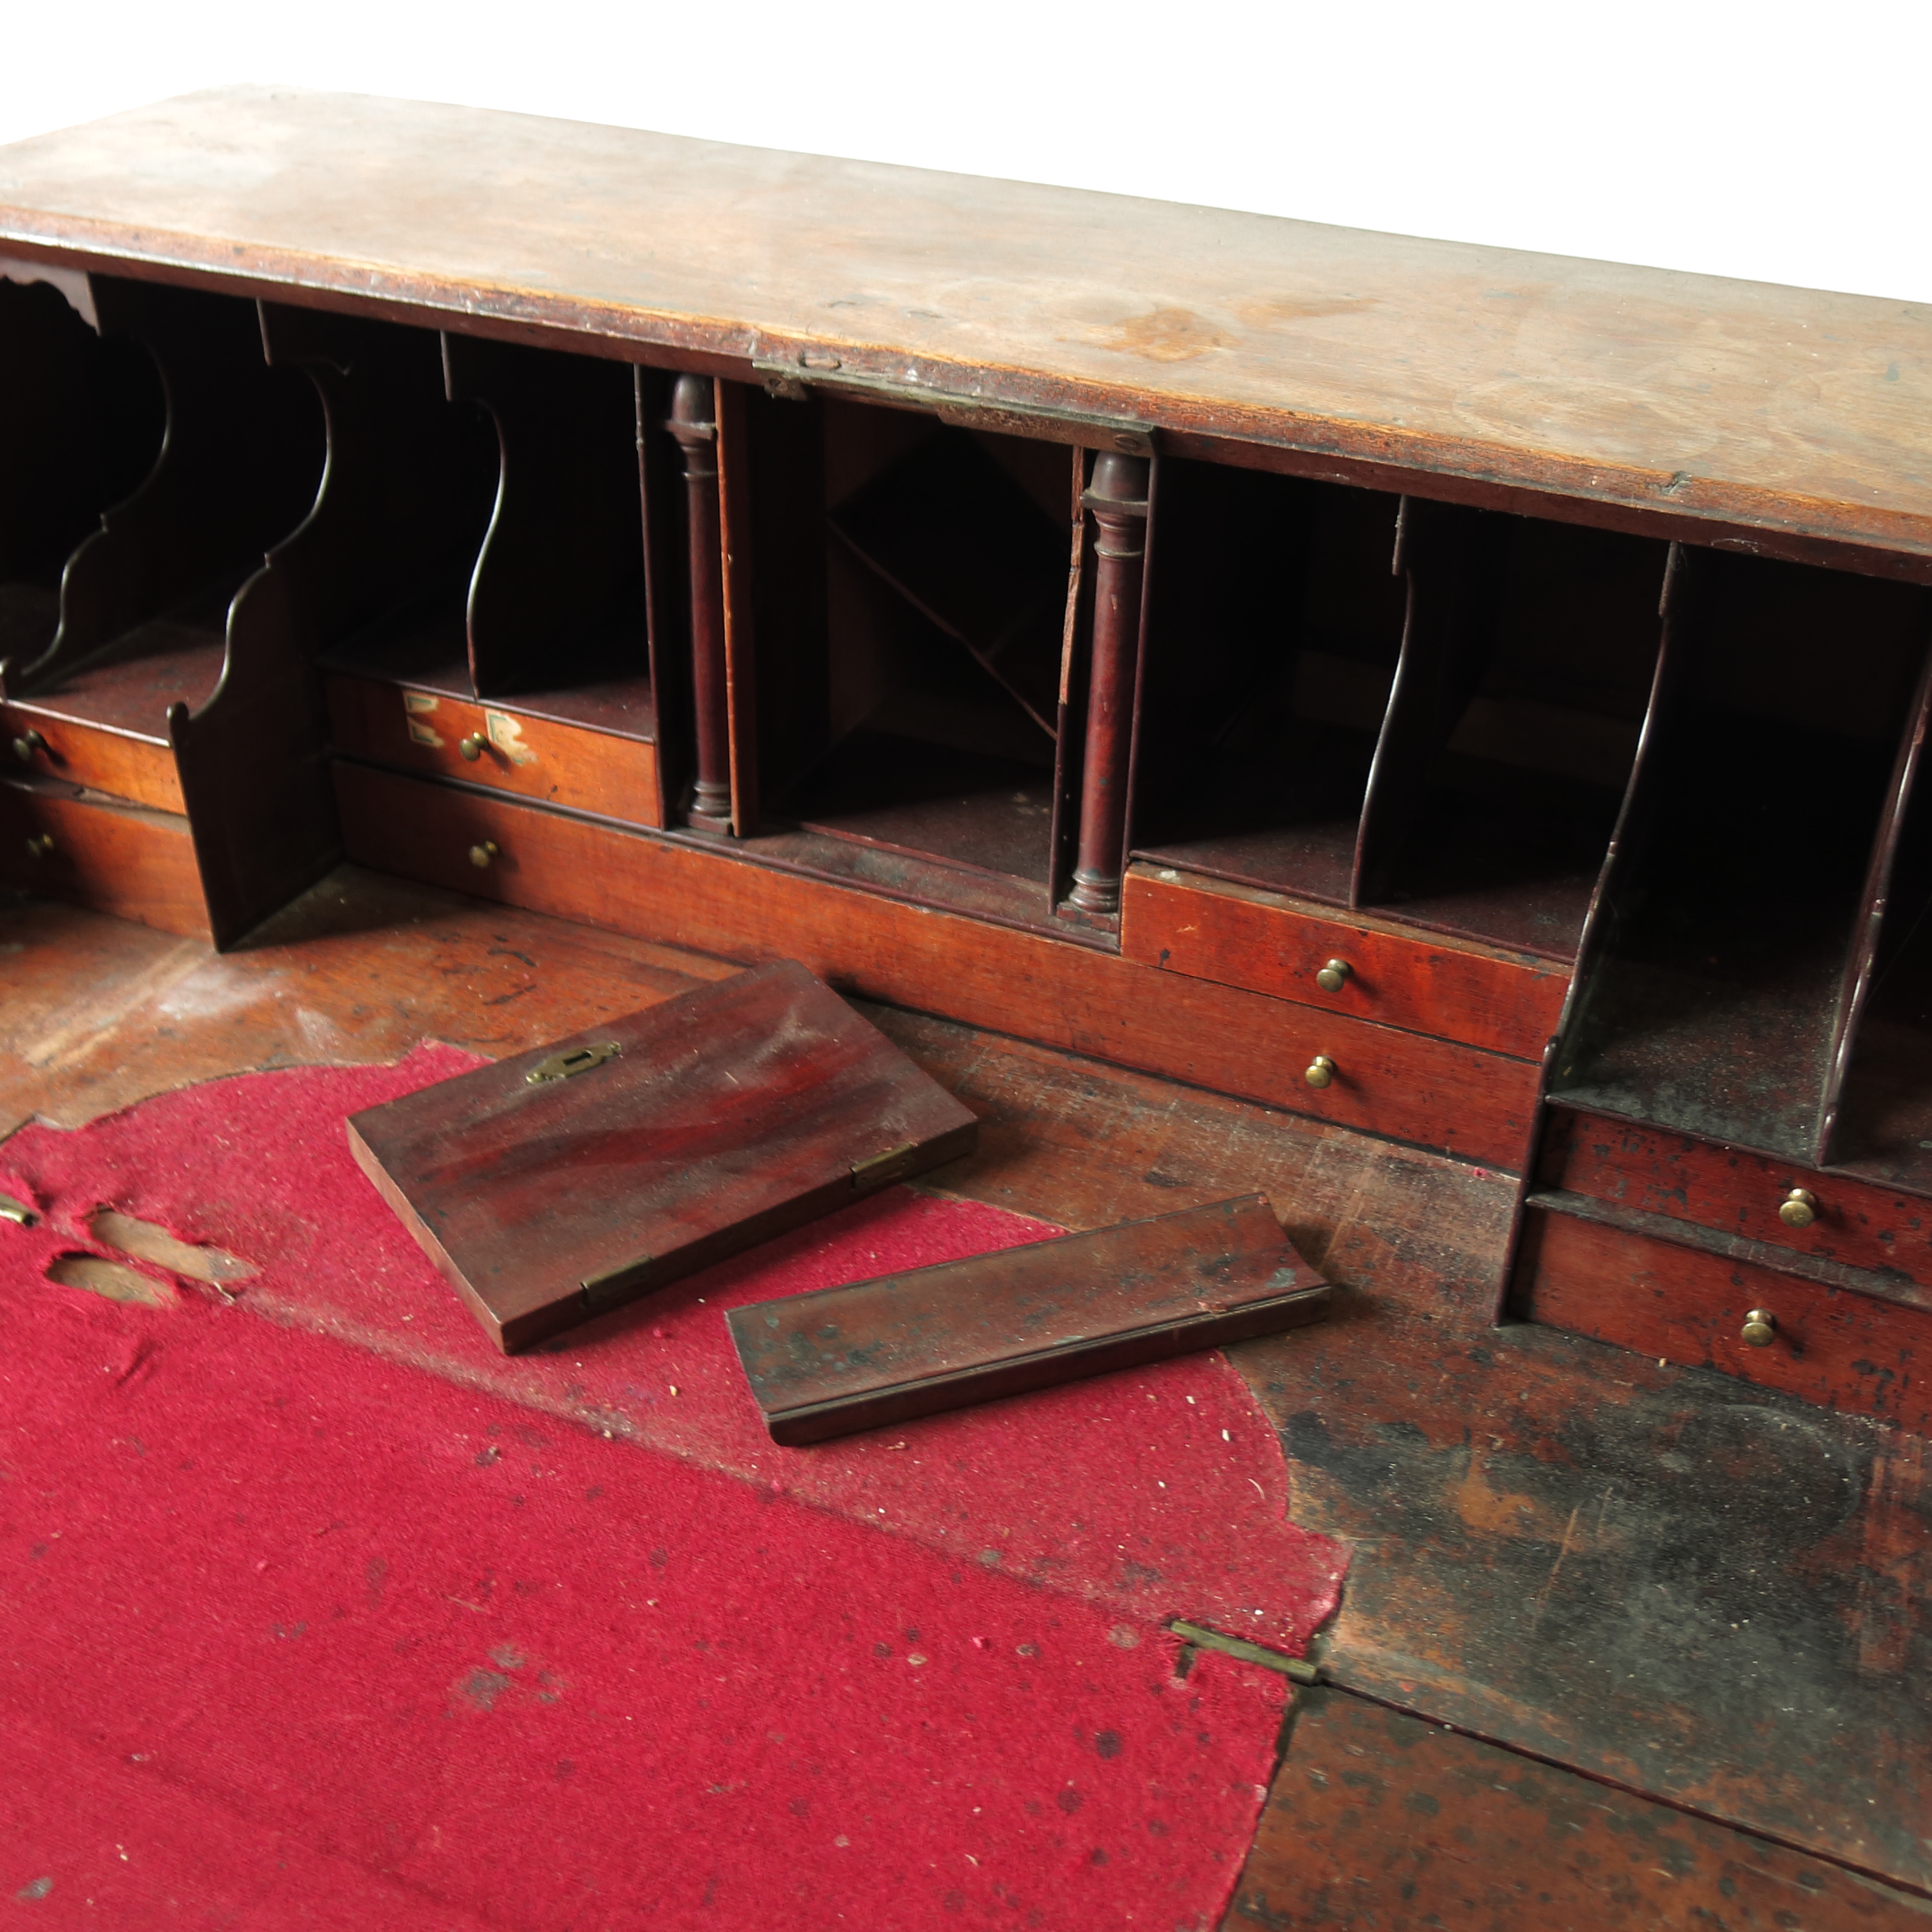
901 1346
1476 1105
741 644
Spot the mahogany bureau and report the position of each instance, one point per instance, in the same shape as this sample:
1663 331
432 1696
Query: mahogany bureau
1470 697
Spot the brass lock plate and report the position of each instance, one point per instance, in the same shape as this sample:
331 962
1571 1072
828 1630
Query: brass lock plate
567 1066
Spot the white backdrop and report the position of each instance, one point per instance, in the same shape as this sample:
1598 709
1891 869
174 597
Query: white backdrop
1733 138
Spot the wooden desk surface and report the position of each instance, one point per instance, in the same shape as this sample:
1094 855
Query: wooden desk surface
1730 405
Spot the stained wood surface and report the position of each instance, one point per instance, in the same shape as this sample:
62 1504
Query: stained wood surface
421 730
1714 403
1504 1003
871 1353
696 1128
1833 1346
1403 1084
1559 1545
1735 1193
1380 1822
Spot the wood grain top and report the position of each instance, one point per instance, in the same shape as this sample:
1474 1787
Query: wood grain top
1737 405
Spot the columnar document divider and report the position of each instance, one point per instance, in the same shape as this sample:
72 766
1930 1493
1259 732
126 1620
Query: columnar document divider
1472 697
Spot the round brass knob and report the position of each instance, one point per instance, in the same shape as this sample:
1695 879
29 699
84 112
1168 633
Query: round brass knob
1321 1072
472 747
1798 1209
1334 976
1760 1325
26 745
40 845
484 855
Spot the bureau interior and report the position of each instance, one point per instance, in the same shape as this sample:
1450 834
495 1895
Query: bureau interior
81 421
915 575
496 498
143 595
1738 913
1404 706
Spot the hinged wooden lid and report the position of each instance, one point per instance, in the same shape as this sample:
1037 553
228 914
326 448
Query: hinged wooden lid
907 1345
571 1178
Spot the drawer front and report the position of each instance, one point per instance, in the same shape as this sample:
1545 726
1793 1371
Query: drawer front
124 859
1501 1002
134 768
1830 1345
538 758
1477 1106
1688 1179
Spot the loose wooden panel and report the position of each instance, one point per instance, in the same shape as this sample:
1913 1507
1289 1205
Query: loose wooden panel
414 730
1503 1002
566 1180
60 746
1831 1345
931 1338
1477 1105
1736 1193
1383 1823
1487 366
127 859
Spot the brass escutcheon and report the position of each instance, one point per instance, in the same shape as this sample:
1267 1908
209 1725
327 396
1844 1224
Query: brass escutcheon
578 1060
1321 1072
1798 1209
1760 1325
1334 976
471 747
483 855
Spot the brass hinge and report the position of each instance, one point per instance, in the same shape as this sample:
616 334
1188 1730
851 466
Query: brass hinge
16 1211
882 1168
616 1284
1296 1669
566 1065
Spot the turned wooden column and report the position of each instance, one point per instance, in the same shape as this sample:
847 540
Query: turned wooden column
1118 499
693 422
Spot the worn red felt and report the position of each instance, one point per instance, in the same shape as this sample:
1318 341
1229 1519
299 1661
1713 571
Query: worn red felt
315 1610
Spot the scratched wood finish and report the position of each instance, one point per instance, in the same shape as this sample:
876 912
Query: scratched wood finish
1736 1192
1492 369
141 769
1403 1084
890 1350
129 860
1833 1346
413 730
693 1129
1381 1822
1238 936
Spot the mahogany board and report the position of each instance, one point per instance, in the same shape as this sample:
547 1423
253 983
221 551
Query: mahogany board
1698 404
730 1114
903 1345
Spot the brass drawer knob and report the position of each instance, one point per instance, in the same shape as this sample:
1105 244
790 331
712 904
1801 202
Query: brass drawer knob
1760 1325
1334 976
472 747
485 855
1798 1209
1322 1073
26 745
41 845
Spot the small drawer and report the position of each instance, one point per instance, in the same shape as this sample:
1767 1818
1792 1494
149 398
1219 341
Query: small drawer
1747 1194
1828 1344
126 859
1502 1002
38 743
549 759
